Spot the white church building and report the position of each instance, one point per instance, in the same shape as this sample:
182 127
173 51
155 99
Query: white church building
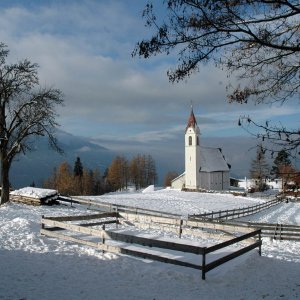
205 168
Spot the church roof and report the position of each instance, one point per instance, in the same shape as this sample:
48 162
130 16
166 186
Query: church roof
212 160
192 120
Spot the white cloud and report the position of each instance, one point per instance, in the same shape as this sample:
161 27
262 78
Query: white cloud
84 47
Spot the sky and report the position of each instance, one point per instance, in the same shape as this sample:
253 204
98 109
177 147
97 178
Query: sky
84 48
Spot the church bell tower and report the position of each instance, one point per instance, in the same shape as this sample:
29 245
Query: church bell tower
192 153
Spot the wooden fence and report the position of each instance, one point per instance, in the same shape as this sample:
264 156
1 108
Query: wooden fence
109 207
52 227
157 220
237 212
274 231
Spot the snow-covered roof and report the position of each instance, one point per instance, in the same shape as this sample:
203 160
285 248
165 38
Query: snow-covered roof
212 160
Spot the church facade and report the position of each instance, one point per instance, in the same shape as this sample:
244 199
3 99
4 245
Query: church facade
205 167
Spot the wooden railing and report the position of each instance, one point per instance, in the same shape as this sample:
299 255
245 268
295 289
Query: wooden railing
237 212
276 231
109 207
52 226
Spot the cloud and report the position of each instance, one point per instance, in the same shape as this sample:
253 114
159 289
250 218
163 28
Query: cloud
84 48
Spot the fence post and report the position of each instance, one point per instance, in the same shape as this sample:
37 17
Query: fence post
180 228
103 238
259 238
42 224
203 268
117 217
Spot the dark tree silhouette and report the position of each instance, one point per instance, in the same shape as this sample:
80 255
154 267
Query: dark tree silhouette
26 111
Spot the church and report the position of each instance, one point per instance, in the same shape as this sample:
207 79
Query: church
205 167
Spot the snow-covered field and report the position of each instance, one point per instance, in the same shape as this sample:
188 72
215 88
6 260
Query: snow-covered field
178 202
37 267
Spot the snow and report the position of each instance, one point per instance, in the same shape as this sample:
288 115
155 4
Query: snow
34 192
178 202
37 267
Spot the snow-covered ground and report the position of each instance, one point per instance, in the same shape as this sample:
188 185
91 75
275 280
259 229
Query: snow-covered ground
37 267
178 202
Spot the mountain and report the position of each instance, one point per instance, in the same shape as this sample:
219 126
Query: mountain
38 165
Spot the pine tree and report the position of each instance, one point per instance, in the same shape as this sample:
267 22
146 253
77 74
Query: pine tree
259 169
78 169
282 159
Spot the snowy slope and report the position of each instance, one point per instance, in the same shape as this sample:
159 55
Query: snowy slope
36 267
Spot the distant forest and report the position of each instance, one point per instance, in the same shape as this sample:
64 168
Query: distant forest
139 172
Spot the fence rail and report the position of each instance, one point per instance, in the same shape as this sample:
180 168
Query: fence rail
157 220
50 226
275 231
237 212
104 206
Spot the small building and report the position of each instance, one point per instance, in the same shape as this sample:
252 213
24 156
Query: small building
205 167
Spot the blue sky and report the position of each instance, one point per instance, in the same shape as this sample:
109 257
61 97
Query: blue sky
84 48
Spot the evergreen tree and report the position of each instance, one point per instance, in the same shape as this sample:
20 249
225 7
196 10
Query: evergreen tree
78 169
282 159
259 169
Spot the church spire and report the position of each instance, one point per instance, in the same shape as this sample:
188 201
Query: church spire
192 120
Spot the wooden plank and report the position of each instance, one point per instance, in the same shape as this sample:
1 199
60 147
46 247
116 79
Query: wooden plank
232 241
217 226
120 250
231 256
73 227
68 238
83 217
99 223
186 231
125 237
149 219
153 243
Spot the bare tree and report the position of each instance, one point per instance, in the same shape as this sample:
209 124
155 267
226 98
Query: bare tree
257 41
118 173
260 170
169 177
26 111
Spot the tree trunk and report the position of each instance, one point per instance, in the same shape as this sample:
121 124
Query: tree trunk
4 182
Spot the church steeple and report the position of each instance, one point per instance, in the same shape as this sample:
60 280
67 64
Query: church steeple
192 153
192 120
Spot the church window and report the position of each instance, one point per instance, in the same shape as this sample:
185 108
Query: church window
190 141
